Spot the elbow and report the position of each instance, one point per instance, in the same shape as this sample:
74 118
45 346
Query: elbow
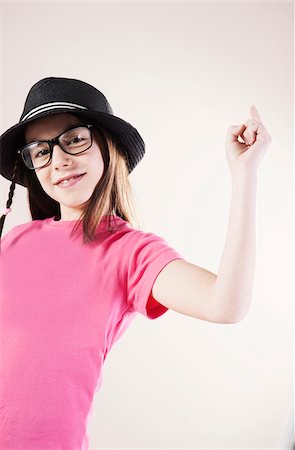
232 310
229 320
231 317
236 318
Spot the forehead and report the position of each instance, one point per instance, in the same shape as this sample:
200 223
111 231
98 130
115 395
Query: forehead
50 126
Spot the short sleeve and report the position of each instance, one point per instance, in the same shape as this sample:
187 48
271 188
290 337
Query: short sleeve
149 254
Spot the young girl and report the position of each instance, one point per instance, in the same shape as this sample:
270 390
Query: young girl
73 278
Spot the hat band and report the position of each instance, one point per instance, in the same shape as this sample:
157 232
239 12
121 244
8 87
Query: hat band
49 106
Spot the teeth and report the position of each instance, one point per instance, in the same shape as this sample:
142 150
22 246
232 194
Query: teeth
67 181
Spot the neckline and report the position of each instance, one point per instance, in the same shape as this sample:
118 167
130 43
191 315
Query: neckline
49 221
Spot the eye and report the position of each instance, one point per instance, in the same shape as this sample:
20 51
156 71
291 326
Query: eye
36 156
76 137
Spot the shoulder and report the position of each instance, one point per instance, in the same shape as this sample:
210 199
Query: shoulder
17 231
146 248
137 246
135 238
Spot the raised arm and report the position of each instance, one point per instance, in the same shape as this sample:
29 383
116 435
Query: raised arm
224 298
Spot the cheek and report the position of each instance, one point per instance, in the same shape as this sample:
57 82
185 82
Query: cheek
96 166
44 180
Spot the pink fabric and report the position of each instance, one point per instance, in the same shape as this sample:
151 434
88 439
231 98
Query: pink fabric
63 305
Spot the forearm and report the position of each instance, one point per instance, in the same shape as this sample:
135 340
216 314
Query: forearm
235 279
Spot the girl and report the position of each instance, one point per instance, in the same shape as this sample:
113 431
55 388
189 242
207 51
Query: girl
73 278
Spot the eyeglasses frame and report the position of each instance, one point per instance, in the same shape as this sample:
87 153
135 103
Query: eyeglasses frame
52 142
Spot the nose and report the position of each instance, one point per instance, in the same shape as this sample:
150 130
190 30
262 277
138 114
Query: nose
59 156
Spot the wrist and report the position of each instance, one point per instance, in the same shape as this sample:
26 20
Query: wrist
244 180
242 173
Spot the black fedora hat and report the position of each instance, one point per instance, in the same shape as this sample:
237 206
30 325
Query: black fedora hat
54 95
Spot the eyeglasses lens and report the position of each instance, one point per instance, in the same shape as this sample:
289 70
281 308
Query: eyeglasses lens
74 141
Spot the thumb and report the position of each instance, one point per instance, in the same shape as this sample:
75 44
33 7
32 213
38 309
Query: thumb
234 131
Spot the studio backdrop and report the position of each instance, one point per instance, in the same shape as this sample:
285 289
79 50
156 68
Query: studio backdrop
182 73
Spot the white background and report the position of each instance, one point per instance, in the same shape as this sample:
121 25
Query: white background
182 73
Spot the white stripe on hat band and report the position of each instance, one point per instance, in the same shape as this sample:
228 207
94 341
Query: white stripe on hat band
49 106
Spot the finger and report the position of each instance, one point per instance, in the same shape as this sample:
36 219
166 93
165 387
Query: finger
252 123
256 127
234 131
249 136
255 114
260 133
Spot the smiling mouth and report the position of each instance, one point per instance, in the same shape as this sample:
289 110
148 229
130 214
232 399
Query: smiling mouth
70 181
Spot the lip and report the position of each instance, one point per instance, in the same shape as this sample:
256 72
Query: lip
71 182
69 176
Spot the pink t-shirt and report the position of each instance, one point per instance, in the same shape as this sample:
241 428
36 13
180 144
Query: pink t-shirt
63 305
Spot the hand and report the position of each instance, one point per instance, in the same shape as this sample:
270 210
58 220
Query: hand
247 155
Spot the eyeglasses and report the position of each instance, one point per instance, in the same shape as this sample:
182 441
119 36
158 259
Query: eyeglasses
73 141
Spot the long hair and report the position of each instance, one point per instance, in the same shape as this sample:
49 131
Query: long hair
112 194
